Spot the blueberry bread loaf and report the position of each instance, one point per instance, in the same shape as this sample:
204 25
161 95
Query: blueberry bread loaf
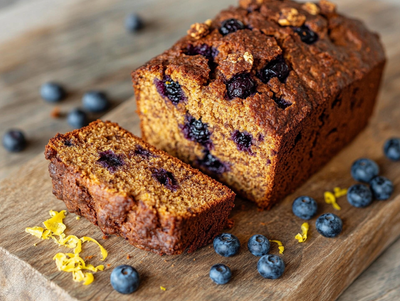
129 188
262 96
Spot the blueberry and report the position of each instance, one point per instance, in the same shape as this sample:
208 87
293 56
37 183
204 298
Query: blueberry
382 188
197 131
243 140
52 92
306 34
281 102
207 51
165 178
241 85
95 101
220 273
125 279
329 225
359 195
392 149
110 160
212 164
258 245
14 141
141 151
133 23
77 118
170 89
271 266
230 25
226 244
276 68
363 170
304 207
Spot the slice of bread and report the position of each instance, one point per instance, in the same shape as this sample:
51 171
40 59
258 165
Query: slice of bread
129 188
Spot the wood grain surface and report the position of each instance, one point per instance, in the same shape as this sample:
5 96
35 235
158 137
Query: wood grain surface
319 269
85 47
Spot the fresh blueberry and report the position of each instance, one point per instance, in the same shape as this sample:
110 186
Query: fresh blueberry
52 92
220 273
359 195
230 25
14 141
77 118
276 68
133 22
165 178
241 85
363 170
212 164
392 149
382 188
170 89
110 160
95 101
271 266
243 141
258 245
304 207
125 279
306 34
226 244
329 225
197 131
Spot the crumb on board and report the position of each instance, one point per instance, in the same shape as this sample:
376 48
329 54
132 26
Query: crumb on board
229 223
128 256
262 224
55 113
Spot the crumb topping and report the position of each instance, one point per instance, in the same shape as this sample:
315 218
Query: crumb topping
291 17
199 30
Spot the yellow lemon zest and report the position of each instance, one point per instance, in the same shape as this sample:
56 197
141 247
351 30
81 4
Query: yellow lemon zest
331 199
78 218
304 229
103 251
68 262
55 224
163 288
36 231
280 245
339 192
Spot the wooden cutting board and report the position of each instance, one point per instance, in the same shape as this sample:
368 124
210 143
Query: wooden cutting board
320 268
